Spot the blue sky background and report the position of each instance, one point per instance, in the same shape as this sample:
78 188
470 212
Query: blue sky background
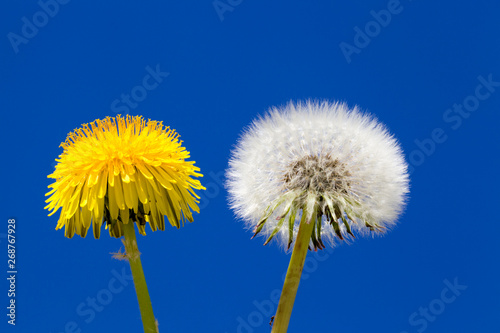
224 69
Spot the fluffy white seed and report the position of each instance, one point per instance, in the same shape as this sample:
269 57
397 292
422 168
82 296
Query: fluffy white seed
345 155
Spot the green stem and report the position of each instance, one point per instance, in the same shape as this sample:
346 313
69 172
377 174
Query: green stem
141 289
285 306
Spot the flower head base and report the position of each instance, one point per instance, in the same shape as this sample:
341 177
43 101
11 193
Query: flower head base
121 170
320 163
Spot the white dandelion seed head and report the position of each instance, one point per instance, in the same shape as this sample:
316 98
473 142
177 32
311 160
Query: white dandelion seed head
343 163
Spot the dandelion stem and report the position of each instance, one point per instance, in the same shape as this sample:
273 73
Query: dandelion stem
141 288
292 279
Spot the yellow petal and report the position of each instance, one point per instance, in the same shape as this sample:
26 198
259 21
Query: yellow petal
120 201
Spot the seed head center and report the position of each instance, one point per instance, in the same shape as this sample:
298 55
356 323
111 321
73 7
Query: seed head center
319 173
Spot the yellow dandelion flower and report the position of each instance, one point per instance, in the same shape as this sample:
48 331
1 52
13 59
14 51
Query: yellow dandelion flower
117 170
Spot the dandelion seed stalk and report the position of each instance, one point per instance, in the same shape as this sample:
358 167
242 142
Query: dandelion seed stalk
293 274
316 173
141 288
